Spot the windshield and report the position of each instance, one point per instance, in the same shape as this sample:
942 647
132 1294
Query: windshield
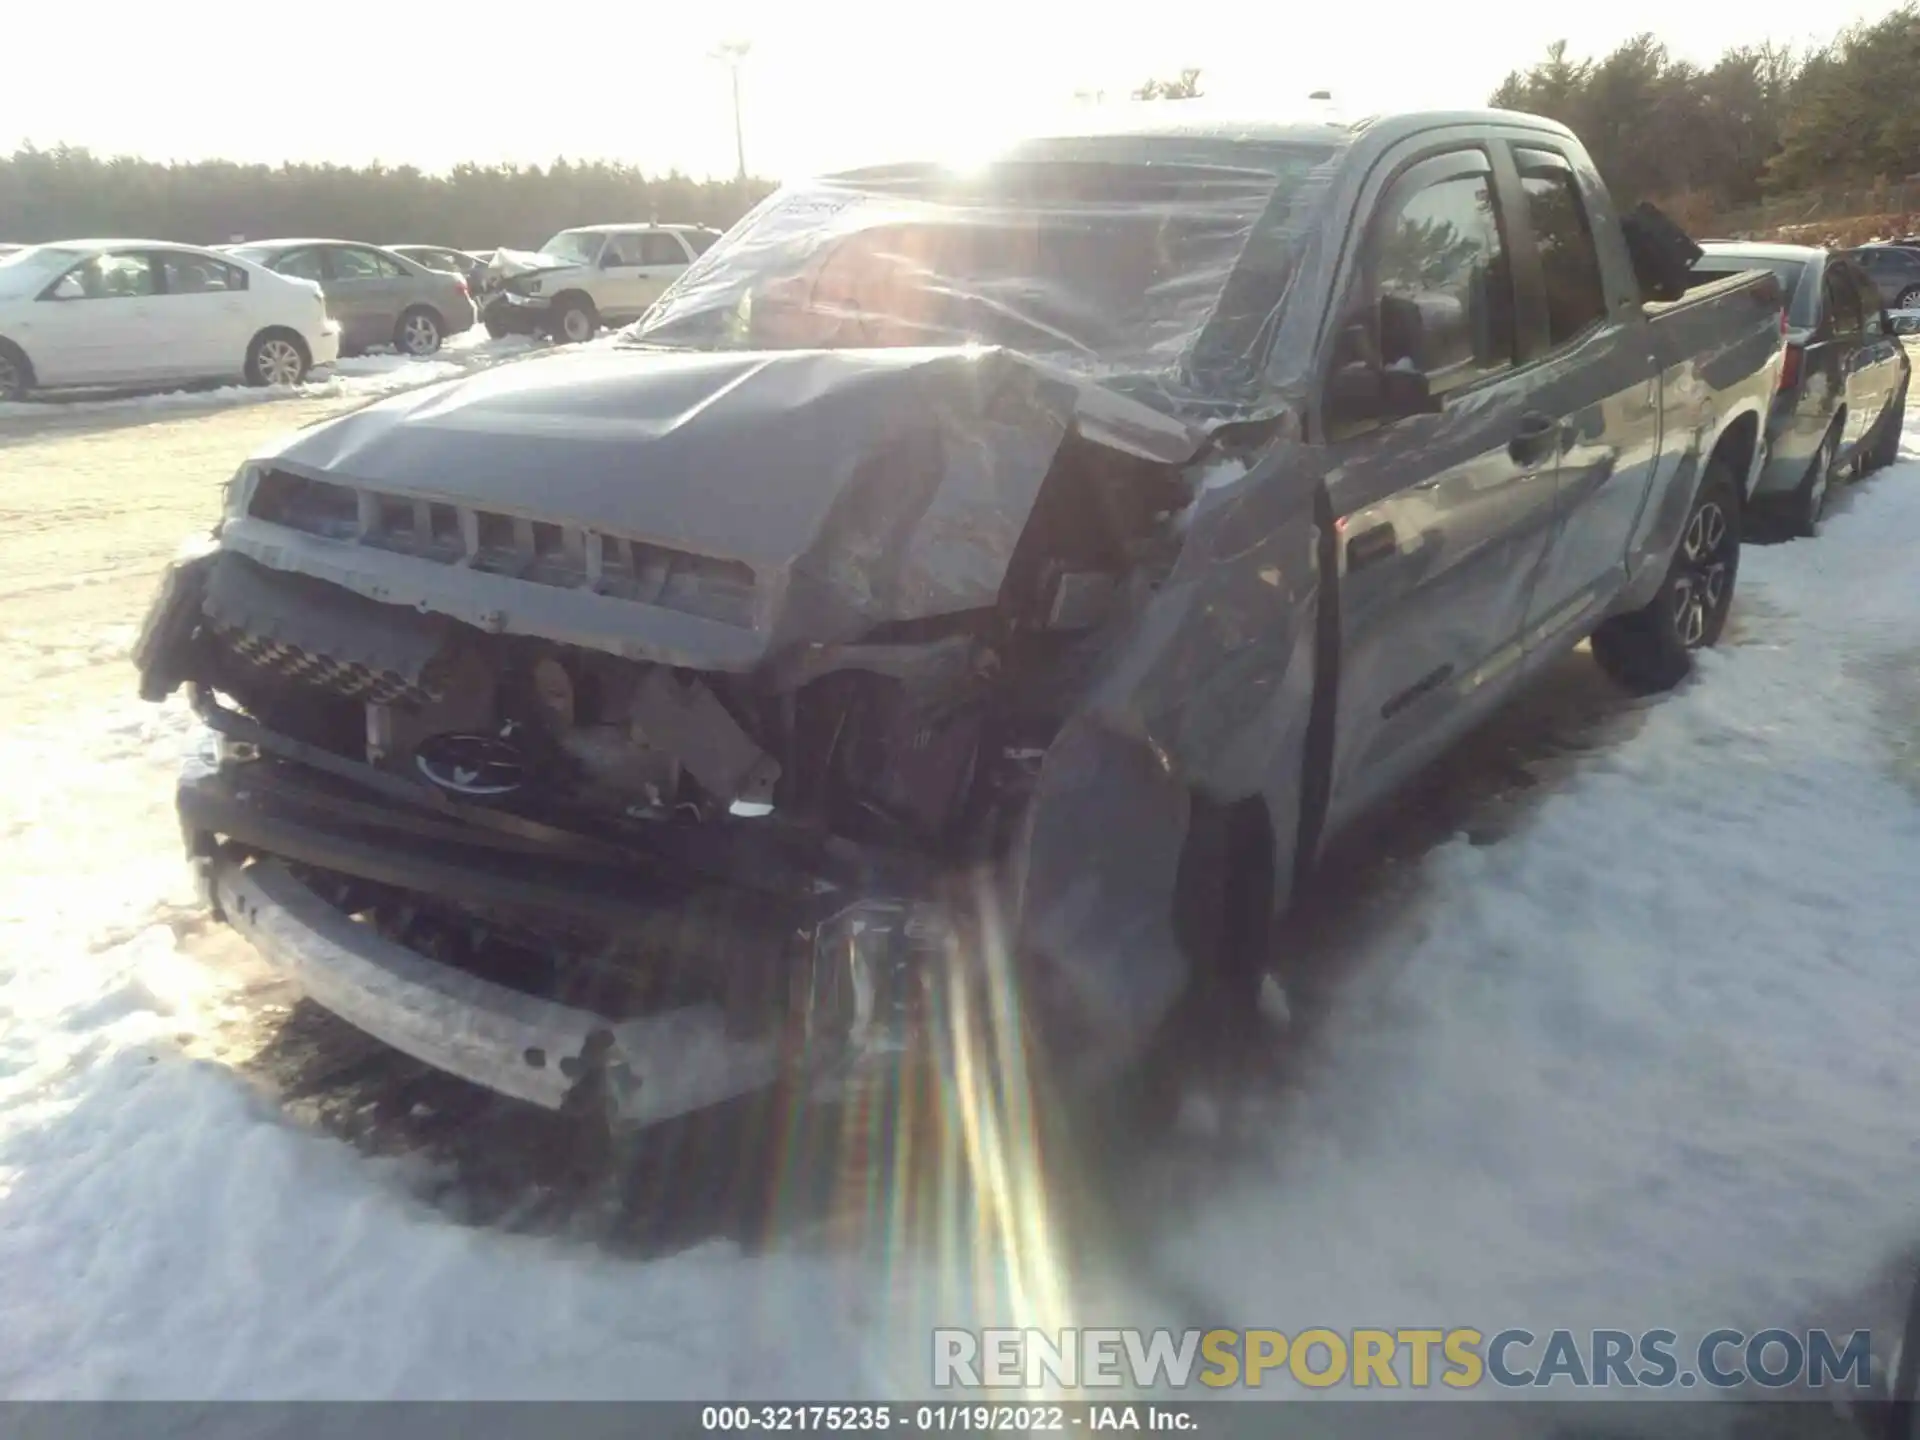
581 247
1153 266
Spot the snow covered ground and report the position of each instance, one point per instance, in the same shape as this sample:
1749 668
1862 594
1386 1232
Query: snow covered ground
1646 1059
364 376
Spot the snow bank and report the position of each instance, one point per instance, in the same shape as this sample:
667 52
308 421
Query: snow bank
1645 1061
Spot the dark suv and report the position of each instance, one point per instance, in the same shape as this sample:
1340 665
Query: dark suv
1895 270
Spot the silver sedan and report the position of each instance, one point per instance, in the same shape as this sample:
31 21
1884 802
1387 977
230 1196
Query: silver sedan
378 297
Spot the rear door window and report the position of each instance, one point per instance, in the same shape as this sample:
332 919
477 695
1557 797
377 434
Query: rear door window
1843 305
302 264
184 274
623 248
350 262
1569 260
1873 323
661 247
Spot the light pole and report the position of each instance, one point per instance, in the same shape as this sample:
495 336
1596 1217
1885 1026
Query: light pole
733 52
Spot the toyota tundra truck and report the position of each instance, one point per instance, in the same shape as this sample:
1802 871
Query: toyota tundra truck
965 592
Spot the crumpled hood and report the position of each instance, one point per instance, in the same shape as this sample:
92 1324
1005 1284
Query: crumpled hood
858 485
506 264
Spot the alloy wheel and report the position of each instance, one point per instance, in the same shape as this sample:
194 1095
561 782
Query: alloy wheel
279 362
1706 566
12 382
577 325
420 336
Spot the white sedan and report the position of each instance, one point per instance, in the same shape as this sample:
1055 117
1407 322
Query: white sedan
140 312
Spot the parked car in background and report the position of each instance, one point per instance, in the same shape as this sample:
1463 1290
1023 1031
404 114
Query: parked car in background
378 297
1843 385
595 728
131 312
469 267
586 277
1895 270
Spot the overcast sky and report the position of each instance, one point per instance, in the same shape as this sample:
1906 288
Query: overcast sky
431 85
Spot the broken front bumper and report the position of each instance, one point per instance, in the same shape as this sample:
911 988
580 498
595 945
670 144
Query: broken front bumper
830 995
832 989
653 1068
515 314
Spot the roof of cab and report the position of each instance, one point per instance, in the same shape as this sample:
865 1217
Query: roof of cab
1196 118
1209 123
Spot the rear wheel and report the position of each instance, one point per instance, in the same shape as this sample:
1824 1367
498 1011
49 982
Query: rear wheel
1652 649
1808 503
1909 298
16 375
418 333
574 319
277 357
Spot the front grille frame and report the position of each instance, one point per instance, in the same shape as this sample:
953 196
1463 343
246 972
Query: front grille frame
537 552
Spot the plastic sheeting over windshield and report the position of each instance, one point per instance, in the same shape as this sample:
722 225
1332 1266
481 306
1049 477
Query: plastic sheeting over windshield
1154 271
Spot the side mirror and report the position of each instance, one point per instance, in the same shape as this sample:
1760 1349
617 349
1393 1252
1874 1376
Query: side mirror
608 259
67 287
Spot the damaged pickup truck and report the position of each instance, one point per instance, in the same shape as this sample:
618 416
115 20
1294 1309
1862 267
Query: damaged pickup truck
1018 573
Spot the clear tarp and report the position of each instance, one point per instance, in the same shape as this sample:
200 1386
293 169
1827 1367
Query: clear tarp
1150 263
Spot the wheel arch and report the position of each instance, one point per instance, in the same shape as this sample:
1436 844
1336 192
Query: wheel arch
1738 444
15 348
269 332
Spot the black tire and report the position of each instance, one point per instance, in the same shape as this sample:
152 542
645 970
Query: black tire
1884 448
16 373
1808 504
1909 298
1651 649
419 332
573 320
277 357
496 330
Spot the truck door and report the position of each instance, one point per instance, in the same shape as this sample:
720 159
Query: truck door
1440 518
1595 371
